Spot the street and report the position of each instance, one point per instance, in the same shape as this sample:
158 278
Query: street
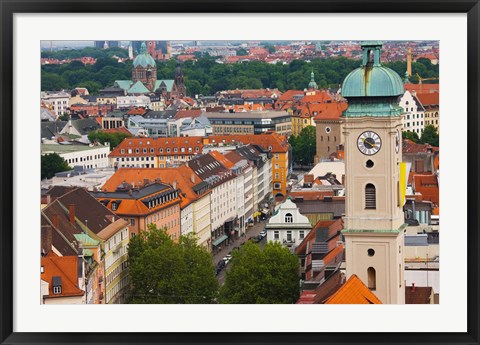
251 232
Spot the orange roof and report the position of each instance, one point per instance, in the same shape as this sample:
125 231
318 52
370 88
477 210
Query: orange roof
328 111
160 147
135 206
183 176
429 99
422 87
333 254
353 291
64 267
137 111
117 130
222 159
320 96
288 95
427 185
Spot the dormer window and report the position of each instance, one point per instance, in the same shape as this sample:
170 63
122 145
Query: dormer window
57 285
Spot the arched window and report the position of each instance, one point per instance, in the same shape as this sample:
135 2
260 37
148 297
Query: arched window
288 218
370 197
372 278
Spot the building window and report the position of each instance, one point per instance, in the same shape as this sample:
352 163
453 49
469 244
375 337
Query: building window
132 221
289 236
301 234
276 235
372 278
57 290
370 197
288 218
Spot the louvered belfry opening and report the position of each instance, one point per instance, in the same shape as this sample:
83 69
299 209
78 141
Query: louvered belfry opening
370 197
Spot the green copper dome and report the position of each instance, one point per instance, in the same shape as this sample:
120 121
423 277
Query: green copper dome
143 59
371 79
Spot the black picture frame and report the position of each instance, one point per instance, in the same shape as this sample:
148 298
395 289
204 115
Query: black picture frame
10 7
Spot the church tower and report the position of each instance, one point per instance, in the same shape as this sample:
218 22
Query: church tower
374 221
144 69
180 82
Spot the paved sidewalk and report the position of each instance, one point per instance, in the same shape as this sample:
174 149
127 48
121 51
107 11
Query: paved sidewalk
253 231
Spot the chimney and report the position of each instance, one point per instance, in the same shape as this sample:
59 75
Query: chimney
192 178
49 199
55 220
343 180
46 239
146 181
413 287
71 212
419 166
174 185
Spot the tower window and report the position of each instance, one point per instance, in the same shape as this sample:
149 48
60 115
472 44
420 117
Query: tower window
371 252
369 164
370 197
372 278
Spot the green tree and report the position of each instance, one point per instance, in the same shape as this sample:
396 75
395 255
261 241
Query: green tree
261 276
413 136
304 146
51 164
102 137
163 271
242 52
430 136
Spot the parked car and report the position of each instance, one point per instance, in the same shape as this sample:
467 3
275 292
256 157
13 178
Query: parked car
220 266
226 259
263 234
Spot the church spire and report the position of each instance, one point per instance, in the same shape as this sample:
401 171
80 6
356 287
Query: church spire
312 85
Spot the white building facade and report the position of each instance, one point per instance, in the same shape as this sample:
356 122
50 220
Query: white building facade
414 117
288 226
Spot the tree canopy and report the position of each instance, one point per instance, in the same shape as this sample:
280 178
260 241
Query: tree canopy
261 276
304 146
51 164
430 136
205 76
103 137
413 136
163 271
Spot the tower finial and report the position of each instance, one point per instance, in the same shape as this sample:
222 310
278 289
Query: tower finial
143 48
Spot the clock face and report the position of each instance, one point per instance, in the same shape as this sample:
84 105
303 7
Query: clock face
369 143
397 141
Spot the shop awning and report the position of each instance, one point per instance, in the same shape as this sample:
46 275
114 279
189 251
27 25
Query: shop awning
220 240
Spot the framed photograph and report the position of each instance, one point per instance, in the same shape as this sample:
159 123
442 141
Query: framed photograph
448 29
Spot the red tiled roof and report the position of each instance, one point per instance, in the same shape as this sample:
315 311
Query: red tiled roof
320 96
222 159
191 146
183 176
418 294
193 113
354 291
429 99
427 185
329 111
64 267
422 87
409 146
117 130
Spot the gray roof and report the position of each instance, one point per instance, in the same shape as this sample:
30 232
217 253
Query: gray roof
166 114
48 129
248 115
337 207
136 193
85 126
